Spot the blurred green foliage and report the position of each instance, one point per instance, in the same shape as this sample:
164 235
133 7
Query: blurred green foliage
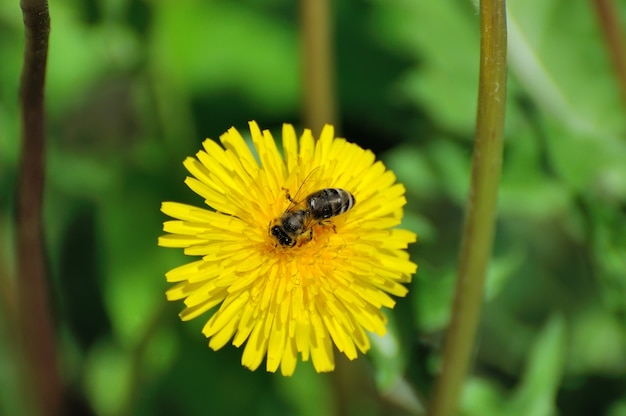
134 86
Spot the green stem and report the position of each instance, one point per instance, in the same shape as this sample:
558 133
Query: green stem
318 65
480 218
320 109
608 18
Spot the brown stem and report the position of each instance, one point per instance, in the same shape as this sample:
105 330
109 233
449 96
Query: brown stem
481 209
318 65
32 285
610 26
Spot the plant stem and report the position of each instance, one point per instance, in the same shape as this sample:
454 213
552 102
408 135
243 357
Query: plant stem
480 218
608 18
32 286
318 65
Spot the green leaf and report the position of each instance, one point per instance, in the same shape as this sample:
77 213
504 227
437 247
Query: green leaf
308 393
387 356
130 223
588 161
501 269
443 38
107 375
536 394
554 53
213 51
598 343
481 397
528 190
431 297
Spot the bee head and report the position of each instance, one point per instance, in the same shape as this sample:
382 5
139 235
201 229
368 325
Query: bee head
283 238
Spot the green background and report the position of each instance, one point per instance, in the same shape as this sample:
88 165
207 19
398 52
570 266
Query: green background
134 86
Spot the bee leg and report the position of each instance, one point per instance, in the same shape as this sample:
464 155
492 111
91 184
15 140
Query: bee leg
327 222
288 195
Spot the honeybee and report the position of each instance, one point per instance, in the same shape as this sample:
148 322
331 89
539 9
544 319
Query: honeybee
298 220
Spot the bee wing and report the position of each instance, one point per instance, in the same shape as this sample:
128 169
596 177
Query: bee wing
306 188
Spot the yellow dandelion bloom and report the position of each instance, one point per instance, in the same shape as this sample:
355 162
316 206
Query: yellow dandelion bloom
289 298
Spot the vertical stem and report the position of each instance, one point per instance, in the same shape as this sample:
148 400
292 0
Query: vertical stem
318 69
479 228
32 286
318 65
608 18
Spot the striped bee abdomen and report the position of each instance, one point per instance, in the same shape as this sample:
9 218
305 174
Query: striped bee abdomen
329 202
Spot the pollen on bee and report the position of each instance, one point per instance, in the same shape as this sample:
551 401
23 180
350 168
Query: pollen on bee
323 231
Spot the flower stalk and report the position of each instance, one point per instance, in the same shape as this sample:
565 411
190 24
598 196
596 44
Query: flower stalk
37 332
609 24
318 65
477 240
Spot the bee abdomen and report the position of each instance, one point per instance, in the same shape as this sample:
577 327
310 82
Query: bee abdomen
329 202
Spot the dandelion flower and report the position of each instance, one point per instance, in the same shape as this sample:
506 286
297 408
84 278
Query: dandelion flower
281 300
